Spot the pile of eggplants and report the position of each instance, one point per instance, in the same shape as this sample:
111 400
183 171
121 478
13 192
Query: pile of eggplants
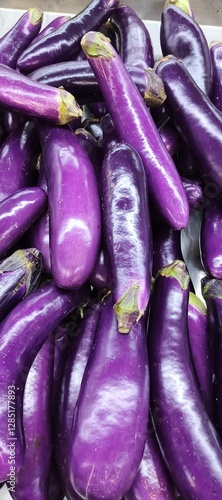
110 361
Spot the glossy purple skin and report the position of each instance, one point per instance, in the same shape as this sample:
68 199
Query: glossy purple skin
74 206
199 339
135 126
32 480
183 418
111 416
38 236
100 277
76 361
64 42
52 26
12 120
169 136
23 332
17 156
210 239
61 338
152 479
126 229
17 214
92 148
194 192
18 38
184 95
19 275
134 39
166 246
181 36
216 61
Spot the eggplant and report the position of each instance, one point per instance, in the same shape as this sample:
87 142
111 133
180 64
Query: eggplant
22 333
166 246
182 416
18 38
110 136
169 136
19 275
111 417
181 36
183 94
216 61
18 154
100 277
194 192
127 233
74 206
182 4
111 31
92 148
17 214
135 45
210 239
32 479
36 99
64 42
186 162
50 27
199 339
12 120
136 127
38 236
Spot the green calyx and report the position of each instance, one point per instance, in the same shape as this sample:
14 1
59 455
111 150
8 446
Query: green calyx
35 16
197 303
126 309
95 44
176 270
182 4
211 288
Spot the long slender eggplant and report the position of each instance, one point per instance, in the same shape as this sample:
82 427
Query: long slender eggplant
17 214
23 332
216 61
32 479
50 27
136 127
183 418
190 108
100 277
18 38
169 136
17 156
111 417
38 237
199 339
19 275
92 148
21 94
134 39
63 43
181 36
74 206
166 246
127 233
210 239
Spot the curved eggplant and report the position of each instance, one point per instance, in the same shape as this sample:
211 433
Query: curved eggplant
216 61
183 418
210 239
127 233
181 36
23 332
64 42
50 27
135 126
111 417
74 206
166 246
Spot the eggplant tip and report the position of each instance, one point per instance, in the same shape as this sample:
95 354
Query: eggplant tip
95 44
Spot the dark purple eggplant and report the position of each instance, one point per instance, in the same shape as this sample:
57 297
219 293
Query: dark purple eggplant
111 417
12 120
38 236
169 136
187 437
17 214
126 232
18 154
110 31
216 62
19 275
92 148
193 191
181 36
36 99
186 162
110 136
187 104
32 479
64 42
211 239
135 45
74 206
166 246
18 38
98 109
23 332
135 126
100 277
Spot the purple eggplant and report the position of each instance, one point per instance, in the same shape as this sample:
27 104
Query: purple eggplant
18 154
181 36
12 120
127 233
166 246
19 275
98 109
36 99
186 162
134 39
32 479
199 340
74 206
23 332
50 27
92 148
210 239
182 4
169 136
38 236
17 214
100 277
216 61
18 38
186 104
111 417
193 191
135 126
111 31
64 42
110 136
182 416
